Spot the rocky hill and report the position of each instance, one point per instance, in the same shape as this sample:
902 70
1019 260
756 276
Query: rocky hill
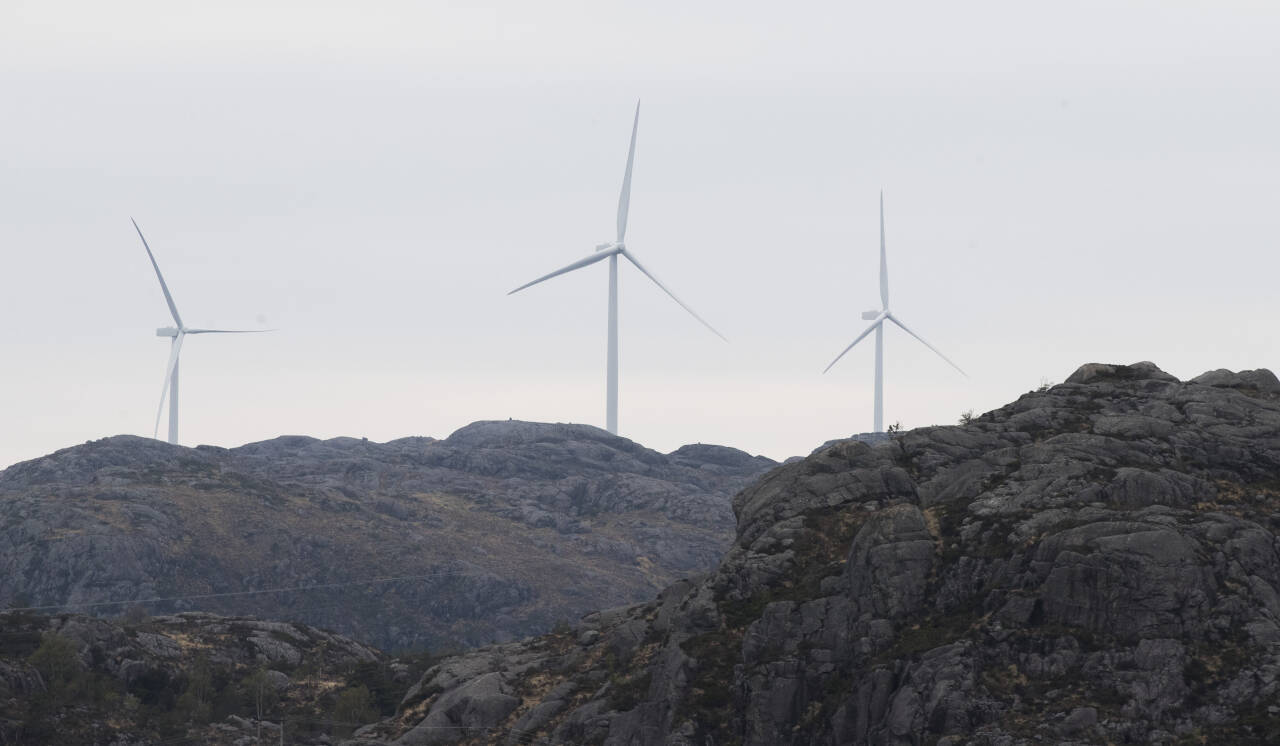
497 532
1097 562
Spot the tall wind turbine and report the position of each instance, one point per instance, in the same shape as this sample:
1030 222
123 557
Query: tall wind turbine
877 319
612 251
176 334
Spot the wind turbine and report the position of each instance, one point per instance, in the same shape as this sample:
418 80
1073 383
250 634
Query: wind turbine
176 334
877 319
612 251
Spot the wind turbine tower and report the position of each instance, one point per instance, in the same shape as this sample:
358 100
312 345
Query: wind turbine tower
176 335
877 319
611 251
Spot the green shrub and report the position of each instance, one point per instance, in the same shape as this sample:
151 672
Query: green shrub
56 660
355 705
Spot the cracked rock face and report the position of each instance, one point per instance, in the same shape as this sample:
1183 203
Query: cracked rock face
497 532
1093 563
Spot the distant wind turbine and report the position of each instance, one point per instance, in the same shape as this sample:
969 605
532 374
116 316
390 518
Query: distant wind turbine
176 334
612 251
877 319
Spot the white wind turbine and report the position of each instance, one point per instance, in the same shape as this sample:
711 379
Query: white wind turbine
612 251
877 319
175 346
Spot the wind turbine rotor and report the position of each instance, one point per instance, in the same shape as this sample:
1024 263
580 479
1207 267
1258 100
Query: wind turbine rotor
624 198
173 309
884 266
920 339
631 258
176 334
611 251
879 319
601 253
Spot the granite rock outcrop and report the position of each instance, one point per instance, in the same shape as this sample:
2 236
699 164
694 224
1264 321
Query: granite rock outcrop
1096 562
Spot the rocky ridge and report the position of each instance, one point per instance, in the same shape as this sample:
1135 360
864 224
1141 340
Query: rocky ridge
497 532
1097 562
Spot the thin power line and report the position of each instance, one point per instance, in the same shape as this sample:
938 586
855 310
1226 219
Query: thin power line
235 594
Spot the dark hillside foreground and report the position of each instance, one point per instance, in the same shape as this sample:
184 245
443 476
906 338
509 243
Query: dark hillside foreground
193 678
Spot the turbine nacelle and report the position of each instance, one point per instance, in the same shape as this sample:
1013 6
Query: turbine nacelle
870 315
168 331
616 247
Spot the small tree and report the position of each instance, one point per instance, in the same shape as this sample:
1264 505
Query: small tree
134 615
195 701
966 417
56 660
260 692
355 706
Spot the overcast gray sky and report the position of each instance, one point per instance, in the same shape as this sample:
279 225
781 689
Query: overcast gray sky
1066 183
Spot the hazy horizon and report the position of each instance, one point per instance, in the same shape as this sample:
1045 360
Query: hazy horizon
1093 183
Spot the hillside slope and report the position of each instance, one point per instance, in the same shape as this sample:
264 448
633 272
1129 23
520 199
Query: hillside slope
497 532
1093 563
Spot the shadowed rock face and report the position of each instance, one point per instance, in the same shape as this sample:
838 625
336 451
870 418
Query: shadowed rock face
1097 562
500 530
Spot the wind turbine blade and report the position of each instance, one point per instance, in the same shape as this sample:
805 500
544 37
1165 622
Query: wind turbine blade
576 265
879 320
884 268
175 346
919 339
173 309
649 274
228 331
624 199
